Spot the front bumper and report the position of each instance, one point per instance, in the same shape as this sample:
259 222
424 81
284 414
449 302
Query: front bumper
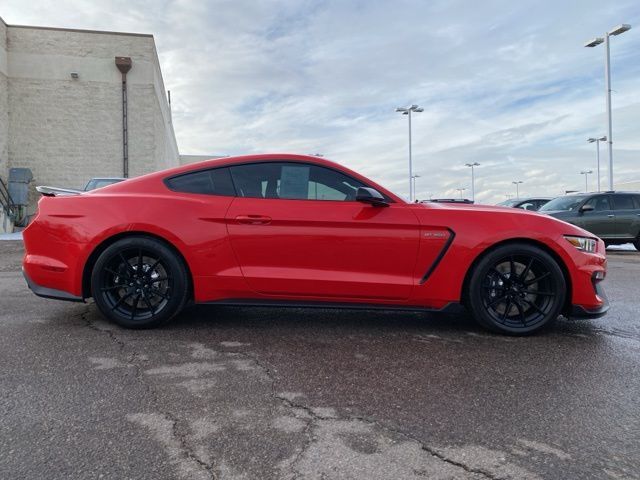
580 311
46 292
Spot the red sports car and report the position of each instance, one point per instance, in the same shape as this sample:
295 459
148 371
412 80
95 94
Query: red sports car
300 230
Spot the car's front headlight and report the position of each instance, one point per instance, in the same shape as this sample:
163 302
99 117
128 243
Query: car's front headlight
583 244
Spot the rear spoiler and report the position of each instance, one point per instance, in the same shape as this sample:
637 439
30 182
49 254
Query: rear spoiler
57 192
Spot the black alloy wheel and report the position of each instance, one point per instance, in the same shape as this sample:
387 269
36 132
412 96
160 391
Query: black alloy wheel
139 282
517 289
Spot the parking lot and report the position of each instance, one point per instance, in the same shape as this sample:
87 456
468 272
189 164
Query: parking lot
264 393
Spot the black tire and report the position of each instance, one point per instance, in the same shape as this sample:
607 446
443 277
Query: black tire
516 289
636 243
139 300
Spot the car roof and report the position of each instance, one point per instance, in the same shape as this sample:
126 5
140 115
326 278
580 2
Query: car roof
244 159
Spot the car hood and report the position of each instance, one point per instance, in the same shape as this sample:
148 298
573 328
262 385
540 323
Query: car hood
511 219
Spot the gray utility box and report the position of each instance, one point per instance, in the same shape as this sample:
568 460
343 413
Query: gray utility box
19 179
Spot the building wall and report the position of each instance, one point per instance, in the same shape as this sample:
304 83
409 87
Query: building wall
4 98
68 130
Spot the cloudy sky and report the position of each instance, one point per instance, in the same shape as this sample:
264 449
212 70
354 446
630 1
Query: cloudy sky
503 83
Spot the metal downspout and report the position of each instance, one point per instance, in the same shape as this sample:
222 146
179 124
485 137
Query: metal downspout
124 65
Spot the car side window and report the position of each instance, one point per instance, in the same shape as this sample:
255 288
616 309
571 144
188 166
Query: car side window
293 181
215 181
636 202
599 203
623 202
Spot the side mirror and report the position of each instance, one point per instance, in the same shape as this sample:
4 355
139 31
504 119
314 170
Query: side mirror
372 196
586 208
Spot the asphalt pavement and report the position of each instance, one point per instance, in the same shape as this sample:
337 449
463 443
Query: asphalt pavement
260 393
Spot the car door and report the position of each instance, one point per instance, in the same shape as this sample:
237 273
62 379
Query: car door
601 220
297 231
627 213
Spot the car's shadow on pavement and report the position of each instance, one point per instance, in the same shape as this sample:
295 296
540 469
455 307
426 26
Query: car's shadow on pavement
318 320
295 318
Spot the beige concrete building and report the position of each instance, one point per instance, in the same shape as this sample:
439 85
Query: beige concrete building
61 105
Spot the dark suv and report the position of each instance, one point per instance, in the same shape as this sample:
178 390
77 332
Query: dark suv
612 216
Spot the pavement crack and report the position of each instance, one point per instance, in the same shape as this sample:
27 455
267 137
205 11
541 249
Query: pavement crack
187 449
314 417
430 450
133 360
311 420
455 463
112 336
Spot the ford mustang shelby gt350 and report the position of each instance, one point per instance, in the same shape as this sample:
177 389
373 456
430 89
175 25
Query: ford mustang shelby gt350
301 230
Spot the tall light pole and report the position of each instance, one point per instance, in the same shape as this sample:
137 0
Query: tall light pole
407 111
597 140
461 190
586 174
607 76
473 179
517 189
413 177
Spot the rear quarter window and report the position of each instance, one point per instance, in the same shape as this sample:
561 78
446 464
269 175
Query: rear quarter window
206 182
623 202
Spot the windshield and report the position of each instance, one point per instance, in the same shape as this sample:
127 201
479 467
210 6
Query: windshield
508 203
563 203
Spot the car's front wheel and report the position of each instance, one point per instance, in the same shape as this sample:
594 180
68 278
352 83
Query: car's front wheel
516 289
139 282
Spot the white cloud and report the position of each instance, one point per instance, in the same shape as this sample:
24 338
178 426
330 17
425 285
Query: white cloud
507 84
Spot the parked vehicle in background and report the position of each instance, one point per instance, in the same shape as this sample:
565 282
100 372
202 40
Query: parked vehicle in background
101 182
612 216
532 204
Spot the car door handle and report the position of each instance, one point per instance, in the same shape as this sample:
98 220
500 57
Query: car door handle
610 216
253 219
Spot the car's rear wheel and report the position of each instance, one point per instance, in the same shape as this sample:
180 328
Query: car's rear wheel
516 289
139 282
636 243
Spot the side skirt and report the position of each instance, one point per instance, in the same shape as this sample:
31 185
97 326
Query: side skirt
450 308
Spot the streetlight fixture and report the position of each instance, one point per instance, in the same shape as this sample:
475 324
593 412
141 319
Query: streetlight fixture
461 190
597 140
473 179
407 111
413 177
586 174
607 76
517 189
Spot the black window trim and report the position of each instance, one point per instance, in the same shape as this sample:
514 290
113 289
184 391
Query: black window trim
166 181
230 165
